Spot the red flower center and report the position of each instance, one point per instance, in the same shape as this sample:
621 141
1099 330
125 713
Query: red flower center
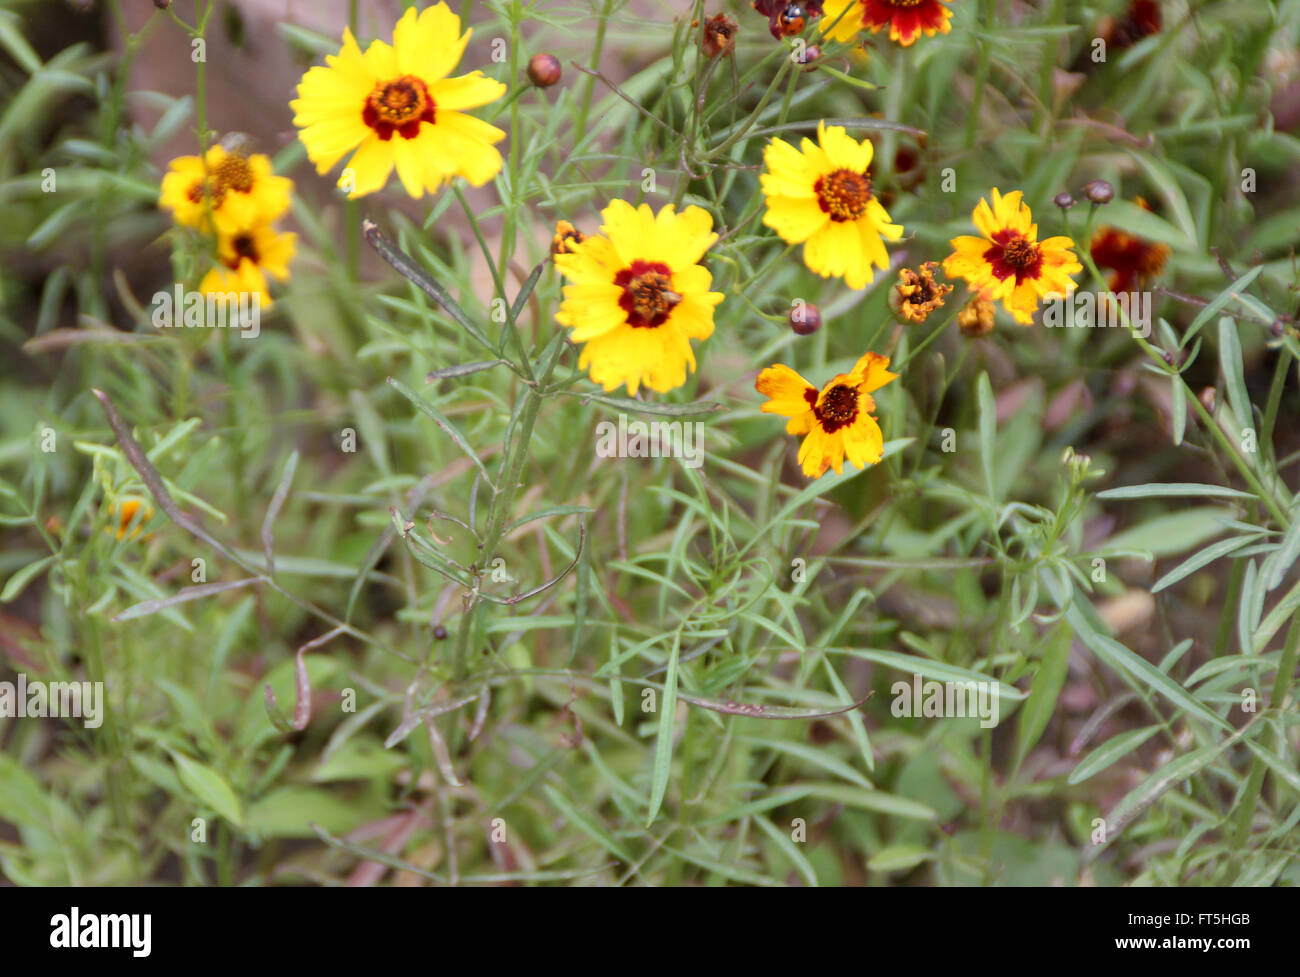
839 408
1014 254
843 194
648 295
399 106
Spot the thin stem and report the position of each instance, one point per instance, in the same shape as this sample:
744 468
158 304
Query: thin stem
1281 687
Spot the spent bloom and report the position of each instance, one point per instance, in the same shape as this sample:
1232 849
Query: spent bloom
395 106
976 317
836 421
906 19
1007 262
917 294
719 36
820 196
637 295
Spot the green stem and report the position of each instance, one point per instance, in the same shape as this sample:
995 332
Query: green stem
981 74
1281 687
1207 421
512 331
584 109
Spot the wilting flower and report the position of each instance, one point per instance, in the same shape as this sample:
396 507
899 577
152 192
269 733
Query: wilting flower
566 236
638 295
917 294
239 190
836 421
719 36
246 258
786 18
1008 263
821 197
1132 261
395 106
906 19
976 317
124 513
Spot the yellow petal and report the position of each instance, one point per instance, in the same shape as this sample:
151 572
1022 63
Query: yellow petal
369 167
786 390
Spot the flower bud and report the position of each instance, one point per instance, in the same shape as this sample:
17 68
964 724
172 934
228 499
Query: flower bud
1099 192
1063 200
544 70
805 318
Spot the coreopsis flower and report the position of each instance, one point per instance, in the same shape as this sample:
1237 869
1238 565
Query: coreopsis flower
124 513
917 294
787 18
1132 260
837 422
820 196
246 258
638 295
395 106
1008 263
237 190
906 19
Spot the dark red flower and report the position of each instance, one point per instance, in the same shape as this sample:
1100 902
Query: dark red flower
1132 261
786 18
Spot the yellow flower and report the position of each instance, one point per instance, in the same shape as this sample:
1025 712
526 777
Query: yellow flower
240 190
125 511
246 258
837 421
821 198
395 106
1009 263
639 295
